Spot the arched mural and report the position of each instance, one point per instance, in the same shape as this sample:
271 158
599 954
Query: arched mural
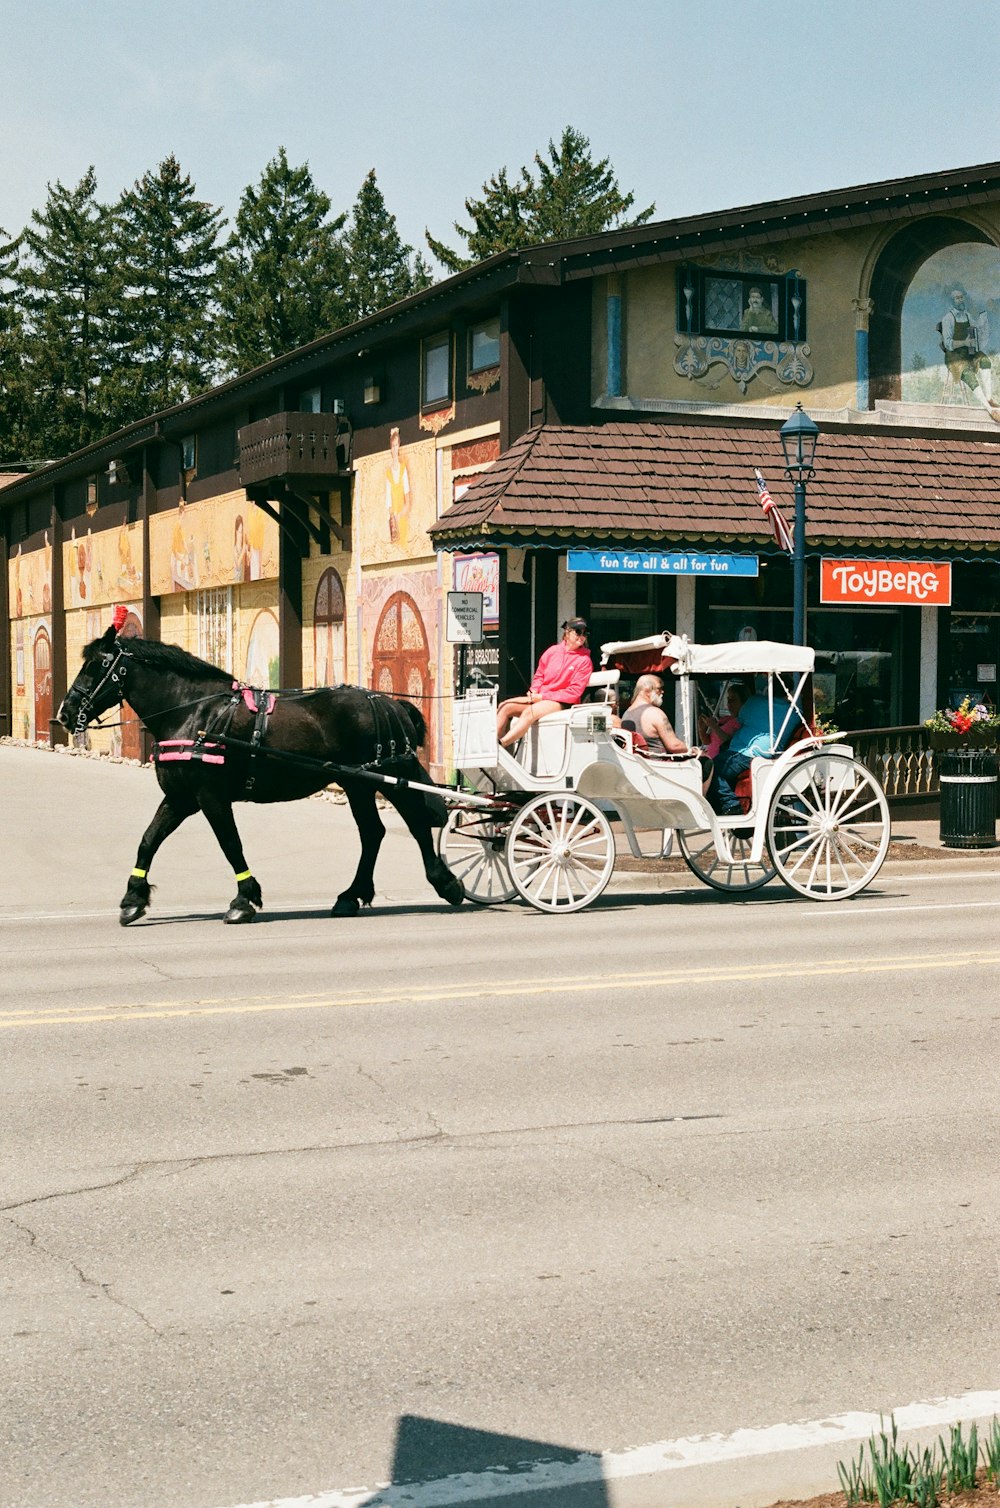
262 651
43 683
401 663
950 330
328 630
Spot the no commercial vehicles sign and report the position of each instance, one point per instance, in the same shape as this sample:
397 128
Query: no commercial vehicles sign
888 583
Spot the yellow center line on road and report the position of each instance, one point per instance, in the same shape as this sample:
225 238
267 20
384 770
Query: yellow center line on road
509 989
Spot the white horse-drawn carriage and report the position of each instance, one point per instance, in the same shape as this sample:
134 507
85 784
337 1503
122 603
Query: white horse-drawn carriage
538 823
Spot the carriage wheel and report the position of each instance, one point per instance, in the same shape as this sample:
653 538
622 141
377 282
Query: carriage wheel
735 875
560 852
828 827
472 846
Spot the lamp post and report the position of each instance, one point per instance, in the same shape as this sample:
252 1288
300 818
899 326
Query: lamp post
798 441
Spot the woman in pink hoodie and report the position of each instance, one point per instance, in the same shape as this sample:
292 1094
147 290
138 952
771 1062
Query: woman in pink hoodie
560 681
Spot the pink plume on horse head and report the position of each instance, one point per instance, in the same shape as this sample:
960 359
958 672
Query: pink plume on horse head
118 618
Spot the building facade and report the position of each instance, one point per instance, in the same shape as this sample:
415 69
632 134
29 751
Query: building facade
571 428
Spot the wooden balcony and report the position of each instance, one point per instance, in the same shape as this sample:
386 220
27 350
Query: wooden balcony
312 450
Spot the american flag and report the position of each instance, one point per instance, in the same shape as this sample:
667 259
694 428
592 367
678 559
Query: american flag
782 533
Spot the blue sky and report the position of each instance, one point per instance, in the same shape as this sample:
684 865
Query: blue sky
699 105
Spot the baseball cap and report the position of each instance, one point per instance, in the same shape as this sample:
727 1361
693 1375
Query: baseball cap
580 624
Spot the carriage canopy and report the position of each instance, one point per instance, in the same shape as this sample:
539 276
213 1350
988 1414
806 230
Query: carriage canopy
661 652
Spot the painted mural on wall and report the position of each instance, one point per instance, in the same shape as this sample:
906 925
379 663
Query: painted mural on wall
395 501
102 567
399 634
261 667
29 581
950 330
32 705
199 545
742 320
329 631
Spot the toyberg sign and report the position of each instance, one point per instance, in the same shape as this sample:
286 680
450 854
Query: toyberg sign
887 583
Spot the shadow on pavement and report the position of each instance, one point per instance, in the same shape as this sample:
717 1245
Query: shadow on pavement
432 1457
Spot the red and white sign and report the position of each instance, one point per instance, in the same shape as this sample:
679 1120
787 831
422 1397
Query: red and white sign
885 583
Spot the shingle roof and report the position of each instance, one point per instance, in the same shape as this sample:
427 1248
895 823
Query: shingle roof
689 482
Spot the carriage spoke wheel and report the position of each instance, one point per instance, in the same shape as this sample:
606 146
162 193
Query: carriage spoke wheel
472 846
560 852
828 827
734 875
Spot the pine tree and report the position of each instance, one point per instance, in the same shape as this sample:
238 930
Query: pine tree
500 222
66 279
12 394
164 329
381 268
571 196
282 274
575 196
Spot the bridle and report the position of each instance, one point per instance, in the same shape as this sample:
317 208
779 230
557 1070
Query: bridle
114 671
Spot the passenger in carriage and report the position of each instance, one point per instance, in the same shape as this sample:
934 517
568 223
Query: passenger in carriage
559 682
646 717
751 739
716 732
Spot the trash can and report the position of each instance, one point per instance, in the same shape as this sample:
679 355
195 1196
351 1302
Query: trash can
968 798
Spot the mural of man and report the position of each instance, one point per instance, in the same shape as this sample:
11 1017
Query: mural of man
397 494
963 341
757 317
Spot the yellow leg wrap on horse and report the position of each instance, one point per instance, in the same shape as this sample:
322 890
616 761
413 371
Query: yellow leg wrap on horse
140 874
246 875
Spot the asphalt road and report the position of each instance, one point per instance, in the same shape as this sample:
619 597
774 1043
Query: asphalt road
314 1205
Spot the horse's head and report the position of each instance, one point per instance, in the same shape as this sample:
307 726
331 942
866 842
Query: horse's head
99 685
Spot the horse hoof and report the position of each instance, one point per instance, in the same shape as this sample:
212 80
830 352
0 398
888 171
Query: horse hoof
239 913
452 892
345 905
129 914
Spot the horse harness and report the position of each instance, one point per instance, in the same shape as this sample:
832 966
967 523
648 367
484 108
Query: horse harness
392 732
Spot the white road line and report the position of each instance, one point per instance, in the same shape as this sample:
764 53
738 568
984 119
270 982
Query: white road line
646 1460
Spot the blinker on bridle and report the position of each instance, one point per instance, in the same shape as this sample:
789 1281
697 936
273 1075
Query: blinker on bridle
110 662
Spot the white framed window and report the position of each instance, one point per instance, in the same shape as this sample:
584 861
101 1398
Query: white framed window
189 452
435 385
311 401
215 626
484 345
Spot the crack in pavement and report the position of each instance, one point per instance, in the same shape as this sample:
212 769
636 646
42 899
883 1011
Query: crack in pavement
438 1137
87 1282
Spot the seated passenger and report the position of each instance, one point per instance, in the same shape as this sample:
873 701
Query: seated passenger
646 717
752 738
559 682
715 732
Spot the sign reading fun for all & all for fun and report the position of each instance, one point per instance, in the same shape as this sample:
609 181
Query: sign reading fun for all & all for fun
654 563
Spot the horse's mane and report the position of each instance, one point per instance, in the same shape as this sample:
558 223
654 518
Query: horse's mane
168 657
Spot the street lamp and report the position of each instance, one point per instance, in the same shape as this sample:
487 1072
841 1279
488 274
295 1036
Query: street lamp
798 441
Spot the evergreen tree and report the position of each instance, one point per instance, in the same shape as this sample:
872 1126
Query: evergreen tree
282 274
381 268
163 329
571 196
500 222
66 279
12 394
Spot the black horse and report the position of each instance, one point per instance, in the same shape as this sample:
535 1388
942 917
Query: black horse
218 742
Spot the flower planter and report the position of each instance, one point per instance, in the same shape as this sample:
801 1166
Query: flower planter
970 740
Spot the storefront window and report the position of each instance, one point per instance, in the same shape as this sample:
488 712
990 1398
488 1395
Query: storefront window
972 648
974 653
857 680
855 654
617 608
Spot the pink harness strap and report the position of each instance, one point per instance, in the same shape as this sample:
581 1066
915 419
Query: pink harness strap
256 700
183 749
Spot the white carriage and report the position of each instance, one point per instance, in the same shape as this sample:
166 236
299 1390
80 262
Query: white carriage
539 820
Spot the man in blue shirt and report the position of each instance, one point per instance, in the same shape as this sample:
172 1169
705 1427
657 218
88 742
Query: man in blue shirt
751 738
